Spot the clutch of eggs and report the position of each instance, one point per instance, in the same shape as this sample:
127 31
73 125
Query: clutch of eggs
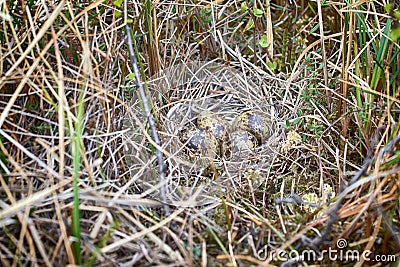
214 137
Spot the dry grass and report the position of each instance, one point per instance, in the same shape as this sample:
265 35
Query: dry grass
71 116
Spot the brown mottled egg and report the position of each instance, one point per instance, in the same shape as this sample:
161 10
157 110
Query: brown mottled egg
241 140
199 142
254 122
215 125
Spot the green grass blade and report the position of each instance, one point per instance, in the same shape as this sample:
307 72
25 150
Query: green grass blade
381 55
77 159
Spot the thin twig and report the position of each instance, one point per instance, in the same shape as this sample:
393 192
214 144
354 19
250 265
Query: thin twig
324 60
150 119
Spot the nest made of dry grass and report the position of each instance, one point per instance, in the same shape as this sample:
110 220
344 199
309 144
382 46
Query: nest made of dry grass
180 93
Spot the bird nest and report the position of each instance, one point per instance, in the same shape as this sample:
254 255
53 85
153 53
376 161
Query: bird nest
179 94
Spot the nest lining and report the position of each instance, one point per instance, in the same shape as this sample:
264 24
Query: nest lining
182 93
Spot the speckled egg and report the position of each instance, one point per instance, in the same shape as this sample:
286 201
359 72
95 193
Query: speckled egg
199 142
254 122
215 125
239 141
